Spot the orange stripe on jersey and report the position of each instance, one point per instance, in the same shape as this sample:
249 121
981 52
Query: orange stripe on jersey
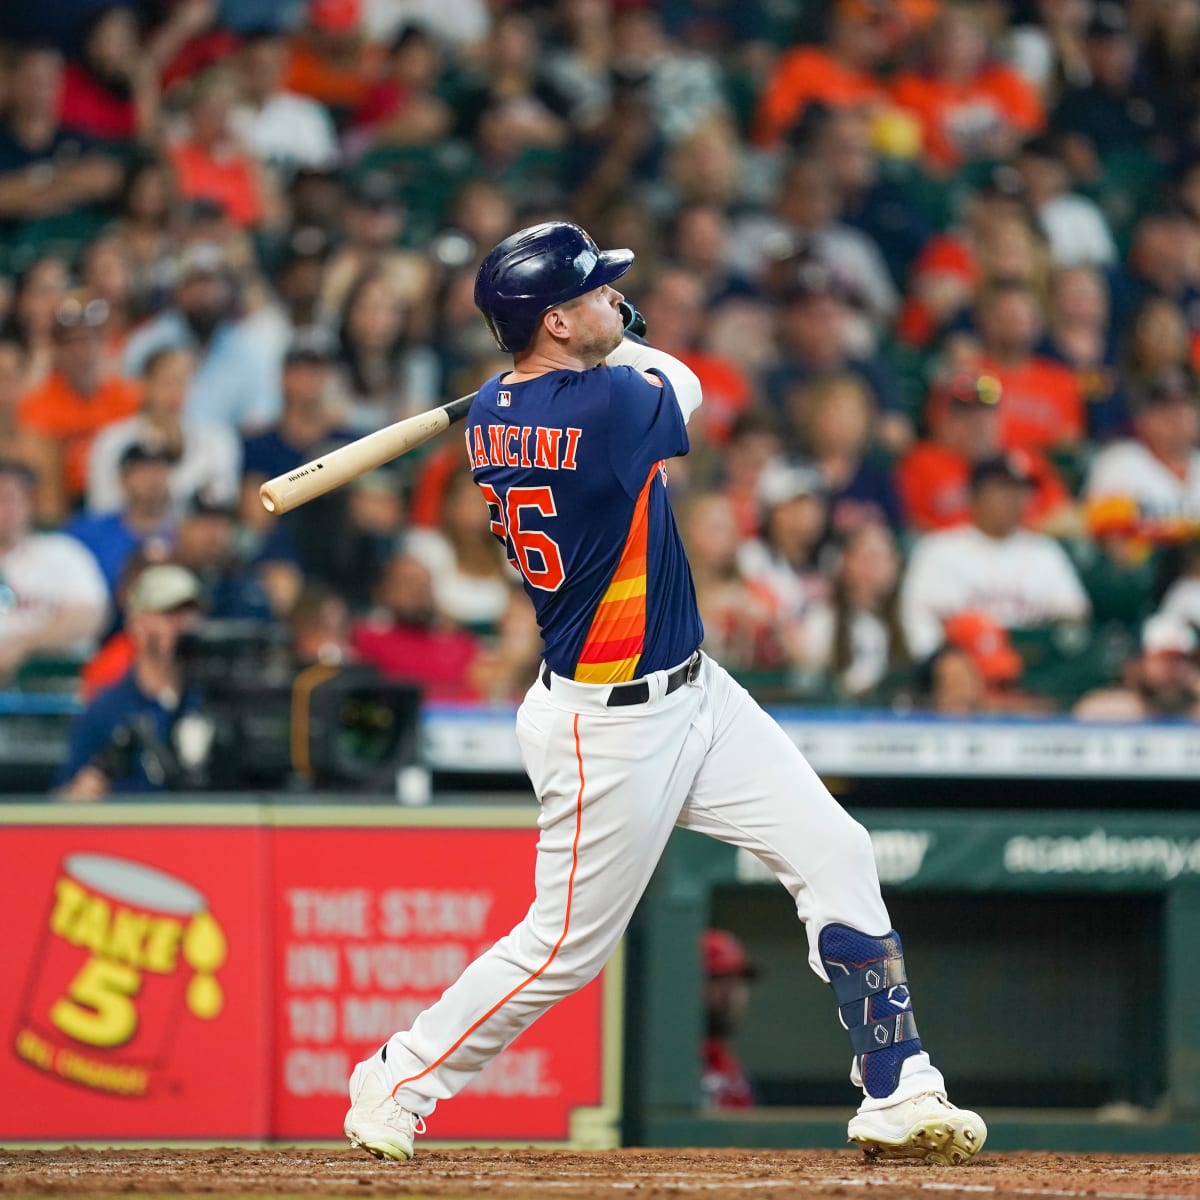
617 648
633 569
621 619
616 638
601 674
623 589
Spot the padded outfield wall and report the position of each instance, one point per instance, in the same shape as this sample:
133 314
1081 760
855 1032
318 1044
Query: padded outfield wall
1053 957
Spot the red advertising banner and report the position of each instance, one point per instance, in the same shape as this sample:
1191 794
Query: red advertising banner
172 980
371 926
137 983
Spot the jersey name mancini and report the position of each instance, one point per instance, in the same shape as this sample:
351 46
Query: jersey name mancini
572 466
524 446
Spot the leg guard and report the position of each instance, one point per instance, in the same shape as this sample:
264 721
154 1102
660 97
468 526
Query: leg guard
868 979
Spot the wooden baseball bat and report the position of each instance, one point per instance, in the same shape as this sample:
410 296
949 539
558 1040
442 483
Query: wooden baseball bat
313 479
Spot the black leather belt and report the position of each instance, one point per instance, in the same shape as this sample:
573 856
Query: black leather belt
638 692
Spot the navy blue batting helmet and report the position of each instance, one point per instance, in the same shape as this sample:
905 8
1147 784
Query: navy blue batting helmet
530 272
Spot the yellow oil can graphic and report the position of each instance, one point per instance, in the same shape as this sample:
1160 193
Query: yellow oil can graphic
128 952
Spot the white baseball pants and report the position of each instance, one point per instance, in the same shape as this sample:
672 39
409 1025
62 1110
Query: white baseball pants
613 783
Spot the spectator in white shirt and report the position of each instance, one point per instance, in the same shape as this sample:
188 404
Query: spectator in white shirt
278 127
1164 680
462 24
1018 578
1176 624
783 560
1156 474
53 599
472 579
208 457
807 218
1074 226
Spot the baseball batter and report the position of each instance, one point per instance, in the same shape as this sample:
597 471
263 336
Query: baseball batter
629 730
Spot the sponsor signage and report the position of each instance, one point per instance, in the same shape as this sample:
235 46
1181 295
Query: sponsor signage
136 960
220 981
1027 851
371 928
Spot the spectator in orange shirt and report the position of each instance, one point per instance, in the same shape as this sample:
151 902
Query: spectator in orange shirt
77 400
970 107
330 60
839 73
1043 409
934 477
210 164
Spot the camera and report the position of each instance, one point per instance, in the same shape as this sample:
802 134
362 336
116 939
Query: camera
266 721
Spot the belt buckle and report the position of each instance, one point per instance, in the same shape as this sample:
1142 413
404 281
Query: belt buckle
693 667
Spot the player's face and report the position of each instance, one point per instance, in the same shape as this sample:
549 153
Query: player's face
596 328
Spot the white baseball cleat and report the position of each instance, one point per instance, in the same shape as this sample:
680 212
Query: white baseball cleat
376 1122
926 1127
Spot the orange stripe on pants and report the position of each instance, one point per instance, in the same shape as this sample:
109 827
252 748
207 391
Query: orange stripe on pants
491 1012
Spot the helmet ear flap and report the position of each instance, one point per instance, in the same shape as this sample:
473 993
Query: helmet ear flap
494 330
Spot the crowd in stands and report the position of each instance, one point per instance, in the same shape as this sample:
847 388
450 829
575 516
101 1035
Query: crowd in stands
935 262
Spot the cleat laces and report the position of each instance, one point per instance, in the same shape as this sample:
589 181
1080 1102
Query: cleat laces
404 1118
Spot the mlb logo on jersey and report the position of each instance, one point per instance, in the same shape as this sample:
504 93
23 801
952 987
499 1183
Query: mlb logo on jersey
503 399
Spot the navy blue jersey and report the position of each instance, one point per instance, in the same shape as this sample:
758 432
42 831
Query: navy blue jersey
573 468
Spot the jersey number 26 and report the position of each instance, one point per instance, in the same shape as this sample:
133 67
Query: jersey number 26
506 525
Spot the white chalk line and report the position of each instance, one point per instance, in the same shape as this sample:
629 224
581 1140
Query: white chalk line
747 1185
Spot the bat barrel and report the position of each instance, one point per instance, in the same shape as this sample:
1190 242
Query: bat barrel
323 474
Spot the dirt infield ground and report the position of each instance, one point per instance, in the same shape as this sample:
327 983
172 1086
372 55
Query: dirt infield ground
562 1175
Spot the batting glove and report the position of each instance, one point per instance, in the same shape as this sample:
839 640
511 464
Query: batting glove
634 322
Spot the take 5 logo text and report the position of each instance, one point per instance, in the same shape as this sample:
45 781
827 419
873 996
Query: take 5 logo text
127 954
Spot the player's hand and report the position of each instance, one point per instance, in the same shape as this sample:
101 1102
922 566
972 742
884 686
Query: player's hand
633 320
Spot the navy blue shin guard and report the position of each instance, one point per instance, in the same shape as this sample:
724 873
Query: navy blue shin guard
868 979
